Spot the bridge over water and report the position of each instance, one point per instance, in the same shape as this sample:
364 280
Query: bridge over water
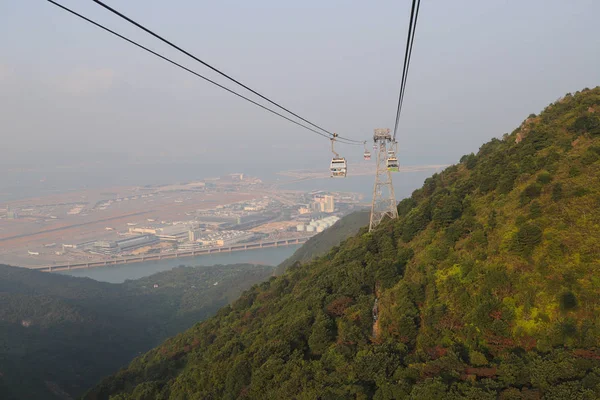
178 254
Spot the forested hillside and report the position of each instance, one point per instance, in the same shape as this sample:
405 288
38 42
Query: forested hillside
59 335
322 242
487 286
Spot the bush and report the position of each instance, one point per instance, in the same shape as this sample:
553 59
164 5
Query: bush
527 237
557 192
574 172
568 301
589 157
535 210
470 160
477 359
580 191
531 192
544 178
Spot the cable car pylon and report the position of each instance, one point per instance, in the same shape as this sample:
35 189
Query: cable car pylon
384 199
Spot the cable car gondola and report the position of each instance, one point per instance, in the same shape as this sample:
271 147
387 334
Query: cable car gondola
367 154
392 161
392 164
338 166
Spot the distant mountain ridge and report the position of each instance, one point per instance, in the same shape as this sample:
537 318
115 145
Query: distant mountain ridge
60 334
487 286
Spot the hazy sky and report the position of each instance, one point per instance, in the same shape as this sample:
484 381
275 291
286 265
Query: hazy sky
478 69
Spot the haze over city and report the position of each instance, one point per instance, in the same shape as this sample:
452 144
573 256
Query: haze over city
70 88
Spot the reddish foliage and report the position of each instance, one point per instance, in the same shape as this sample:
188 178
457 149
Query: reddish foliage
499 344
496 315
431 370
404 339
450 322
247 316
485 372
262 311
338 306
589 354
528 343
436 352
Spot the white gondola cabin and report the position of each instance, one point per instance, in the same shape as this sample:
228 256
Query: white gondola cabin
338 167
392 164
367 155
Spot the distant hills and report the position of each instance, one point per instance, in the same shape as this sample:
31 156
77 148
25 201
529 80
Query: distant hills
60 335
487 286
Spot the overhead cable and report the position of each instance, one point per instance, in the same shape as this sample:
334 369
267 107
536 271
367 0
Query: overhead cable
414 14
210 66
189 70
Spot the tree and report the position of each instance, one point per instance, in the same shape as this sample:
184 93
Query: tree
527 237
557 191
322 334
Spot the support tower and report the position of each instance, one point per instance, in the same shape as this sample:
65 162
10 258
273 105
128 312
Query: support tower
384 200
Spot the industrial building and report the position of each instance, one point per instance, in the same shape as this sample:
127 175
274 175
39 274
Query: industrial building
318 225
109 247
225 238
175 233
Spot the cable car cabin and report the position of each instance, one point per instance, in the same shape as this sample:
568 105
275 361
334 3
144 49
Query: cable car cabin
392 164
338 167
367 155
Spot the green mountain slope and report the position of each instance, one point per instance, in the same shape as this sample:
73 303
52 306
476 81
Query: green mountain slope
322 242
487 286
59 335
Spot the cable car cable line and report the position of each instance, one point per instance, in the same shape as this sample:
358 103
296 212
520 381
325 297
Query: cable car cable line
140 26
189 70
414 15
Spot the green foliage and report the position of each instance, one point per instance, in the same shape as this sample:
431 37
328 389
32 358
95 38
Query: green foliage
557 191
477 359
568 301
470 160
535 210
527 237
322 334
586 124
63 333
531 192
544 178
485 287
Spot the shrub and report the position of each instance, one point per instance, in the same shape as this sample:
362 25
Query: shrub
574 171
531 192
535 210
557 192
568 301
527 237
544 178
